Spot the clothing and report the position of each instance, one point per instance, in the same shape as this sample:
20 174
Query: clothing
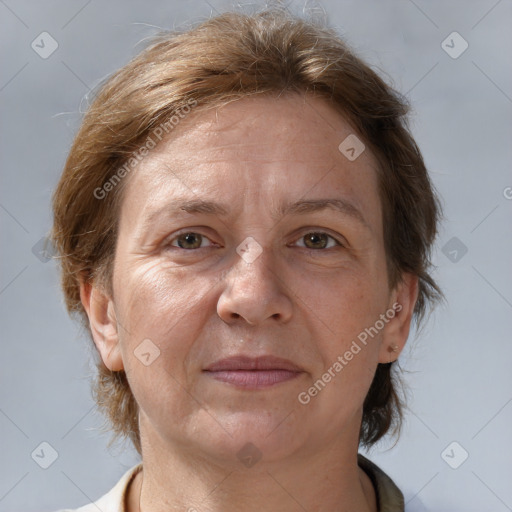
389 497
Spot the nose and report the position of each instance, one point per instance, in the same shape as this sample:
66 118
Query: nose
255 292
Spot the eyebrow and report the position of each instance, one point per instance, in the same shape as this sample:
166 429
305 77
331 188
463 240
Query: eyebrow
301 207
314 205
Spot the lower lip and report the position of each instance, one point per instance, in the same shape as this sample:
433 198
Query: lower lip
254 379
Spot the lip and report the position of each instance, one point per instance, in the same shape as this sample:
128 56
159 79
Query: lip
253 372
253 363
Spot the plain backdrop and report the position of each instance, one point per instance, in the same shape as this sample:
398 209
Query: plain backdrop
455 451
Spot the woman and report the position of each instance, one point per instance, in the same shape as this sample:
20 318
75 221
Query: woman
244 224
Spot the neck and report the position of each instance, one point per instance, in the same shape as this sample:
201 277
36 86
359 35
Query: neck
328 480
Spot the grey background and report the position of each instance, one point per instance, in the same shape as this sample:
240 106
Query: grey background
458 370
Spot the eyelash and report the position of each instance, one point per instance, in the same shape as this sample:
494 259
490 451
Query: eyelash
316 232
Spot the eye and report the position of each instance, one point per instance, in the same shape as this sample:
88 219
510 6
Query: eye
189 240
318 240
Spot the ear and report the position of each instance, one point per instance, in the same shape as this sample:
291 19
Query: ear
402 301
102 319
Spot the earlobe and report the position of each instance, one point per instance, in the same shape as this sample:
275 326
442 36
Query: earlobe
102 320
396 332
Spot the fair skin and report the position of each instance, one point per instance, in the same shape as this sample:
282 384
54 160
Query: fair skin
304 298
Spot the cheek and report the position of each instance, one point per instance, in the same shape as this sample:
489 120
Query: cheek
169 309
349 354
344 304
345 309
167 306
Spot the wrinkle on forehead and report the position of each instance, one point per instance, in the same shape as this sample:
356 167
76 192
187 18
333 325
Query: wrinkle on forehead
204 150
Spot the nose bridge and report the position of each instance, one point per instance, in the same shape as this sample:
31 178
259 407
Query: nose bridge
252 288
254 267
253 275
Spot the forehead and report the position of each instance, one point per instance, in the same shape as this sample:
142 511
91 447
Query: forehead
287 147
295 125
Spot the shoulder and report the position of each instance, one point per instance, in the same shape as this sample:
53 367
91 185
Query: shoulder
113 501
389 496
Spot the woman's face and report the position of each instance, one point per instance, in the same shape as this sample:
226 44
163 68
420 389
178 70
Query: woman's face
250 233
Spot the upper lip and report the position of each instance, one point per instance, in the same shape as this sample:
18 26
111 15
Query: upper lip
253 363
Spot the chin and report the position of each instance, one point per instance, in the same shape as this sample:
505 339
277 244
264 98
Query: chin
245 435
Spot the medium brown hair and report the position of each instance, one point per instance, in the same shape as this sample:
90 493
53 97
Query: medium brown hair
229 57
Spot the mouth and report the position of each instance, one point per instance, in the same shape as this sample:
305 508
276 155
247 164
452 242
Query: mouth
253 372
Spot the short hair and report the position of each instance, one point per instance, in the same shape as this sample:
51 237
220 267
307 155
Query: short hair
229 57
